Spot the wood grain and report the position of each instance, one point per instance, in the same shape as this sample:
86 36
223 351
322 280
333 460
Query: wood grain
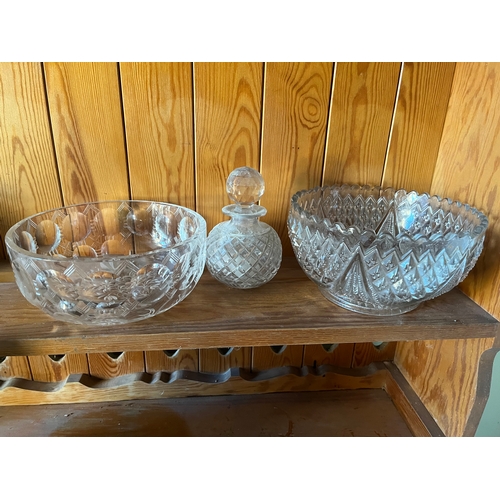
418 125
295 115
351 413
483 388
444 375
14 367
79 388
367 353
86 117
27 163
328 354
104 365
468 167
364 96
416 415
220 360
29 179
46 369
158 111
228 100
3 252
466 170
289 310
264 358
172 360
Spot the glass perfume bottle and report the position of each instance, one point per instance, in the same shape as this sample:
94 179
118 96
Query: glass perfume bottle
244 252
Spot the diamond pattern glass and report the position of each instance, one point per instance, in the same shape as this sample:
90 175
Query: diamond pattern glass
383 252
244 252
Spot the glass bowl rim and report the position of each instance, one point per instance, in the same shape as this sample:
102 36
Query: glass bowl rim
9 240
294 204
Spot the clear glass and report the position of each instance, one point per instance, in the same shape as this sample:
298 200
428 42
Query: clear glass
381 251
108 262
244 252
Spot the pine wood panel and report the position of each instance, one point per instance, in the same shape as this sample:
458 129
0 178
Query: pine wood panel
468 167
264 358
14 366
175 359
158 111
466 170
366 353
6 274
328 354
444 375
409 405
361 114
2 250
103 365
29 182
418 124
86 117
228 100
295 115
220 360
289 310
46 369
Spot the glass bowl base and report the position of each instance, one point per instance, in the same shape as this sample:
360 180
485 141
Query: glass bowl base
389 311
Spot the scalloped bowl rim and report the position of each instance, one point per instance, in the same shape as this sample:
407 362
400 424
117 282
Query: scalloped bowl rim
9 240
339 226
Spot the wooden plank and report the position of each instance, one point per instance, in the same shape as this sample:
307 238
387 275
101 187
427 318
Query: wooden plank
418 419
288 310
444 375
367 353
222 359
86 118
228 101
361 114
418 124
264 358
466 170
115 364
483 389
328 354
54 368
361 413
158 111
14 367
27 164
467 167
296 100
3 252
6 274
172 360
80 388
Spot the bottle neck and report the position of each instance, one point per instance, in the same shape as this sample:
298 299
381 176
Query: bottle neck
246 218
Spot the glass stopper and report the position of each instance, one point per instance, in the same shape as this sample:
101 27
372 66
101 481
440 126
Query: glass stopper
245 186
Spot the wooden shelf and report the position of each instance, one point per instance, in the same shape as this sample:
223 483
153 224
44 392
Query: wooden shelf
288 310
367 413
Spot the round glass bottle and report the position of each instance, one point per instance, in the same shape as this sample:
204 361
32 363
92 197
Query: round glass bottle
244 252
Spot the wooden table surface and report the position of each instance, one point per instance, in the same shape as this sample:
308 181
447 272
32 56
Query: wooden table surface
288 310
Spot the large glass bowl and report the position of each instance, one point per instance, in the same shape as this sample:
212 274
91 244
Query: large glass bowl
381 251
108 262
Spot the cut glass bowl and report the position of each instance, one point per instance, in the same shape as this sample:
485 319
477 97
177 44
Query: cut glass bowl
108 262
381 251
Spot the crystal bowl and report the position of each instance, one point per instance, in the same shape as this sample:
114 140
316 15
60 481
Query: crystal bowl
108 262
381 251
